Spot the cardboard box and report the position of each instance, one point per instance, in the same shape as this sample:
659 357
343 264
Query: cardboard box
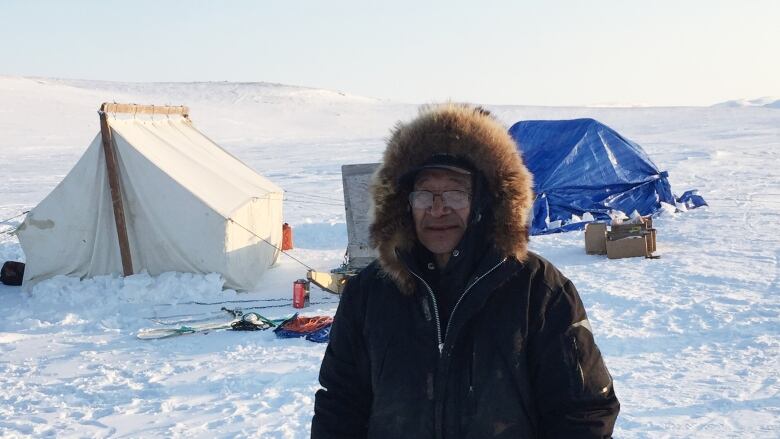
621 240
631 229
596 239
650 241
628 247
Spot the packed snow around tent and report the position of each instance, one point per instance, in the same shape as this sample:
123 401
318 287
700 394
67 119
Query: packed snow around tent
692 339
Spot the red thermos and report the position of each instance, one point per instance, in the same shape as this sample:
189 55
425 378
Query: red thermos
287 238
300 293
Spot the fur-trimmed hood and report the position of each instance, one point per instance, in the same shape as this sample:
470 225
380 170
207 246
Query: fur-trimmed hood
463 131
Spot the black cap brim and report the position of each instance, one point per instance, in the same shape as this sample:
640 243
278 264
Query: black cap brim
446 162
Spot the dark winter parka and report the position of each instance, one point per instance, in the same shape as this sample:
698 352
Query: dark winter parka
516 359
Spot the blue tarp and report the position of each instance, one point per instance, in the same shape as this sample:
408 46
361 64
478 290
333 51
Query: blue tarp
581 166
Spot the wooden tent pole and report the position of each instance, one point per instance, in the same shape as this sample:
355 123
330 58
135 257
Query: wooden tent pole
165 110
116 191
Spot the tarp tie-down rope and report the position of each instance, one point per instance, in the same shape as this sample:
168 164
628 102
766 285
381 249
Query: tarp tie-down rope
315 197
201 316
325 203
266 241
13 228
229 219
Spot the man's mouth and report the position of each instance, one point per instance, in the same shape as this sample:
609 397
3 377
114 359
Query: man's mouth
441 228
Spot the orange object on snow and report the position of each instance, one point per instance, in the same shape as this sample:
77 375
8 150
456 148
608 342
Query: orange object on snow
307 324
287 239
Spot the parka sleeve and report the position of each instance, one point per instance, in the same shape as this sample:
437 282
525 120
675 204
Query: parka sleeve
342 406
572 386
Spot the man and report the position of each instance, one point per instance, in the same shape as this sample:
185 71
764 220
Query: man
456 330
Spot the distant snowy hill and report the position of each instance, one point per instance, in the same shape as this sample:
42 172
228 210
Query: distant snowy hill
767 101
218 92
255 110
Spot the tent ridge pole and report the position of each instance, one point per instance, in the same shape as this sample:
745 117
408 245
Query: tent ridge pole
116 191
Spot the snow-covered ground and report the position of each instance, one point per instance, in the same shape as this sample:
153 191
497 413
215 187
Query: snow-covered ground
692 339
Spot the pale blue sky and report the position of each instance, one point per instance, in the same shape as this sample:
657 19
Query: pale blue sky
694 52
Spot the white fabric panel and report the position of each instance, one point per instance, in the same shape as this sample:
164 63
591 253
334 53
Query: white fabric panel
179 191
72 231
195 162
245 251
169 228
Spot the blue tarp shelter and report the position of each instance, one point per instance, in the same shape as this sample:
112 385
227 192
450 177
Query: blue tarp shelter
582 166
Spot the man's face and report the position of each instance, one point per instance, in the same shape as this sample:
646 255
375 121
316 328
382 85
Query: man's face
440 227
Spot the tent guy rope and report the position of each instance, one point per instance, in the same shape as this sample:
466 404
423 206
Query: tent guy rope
13 227
14 217
272 245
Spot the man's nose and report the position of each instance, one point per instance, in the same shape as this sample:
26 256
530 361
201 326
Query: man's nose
439 208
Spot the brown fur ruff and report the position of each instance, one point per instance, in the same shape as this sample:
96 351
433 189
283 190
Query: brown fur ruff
459 130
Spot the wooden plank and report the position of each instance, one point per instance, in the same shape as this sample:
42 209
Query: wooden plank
162 110
330 282
116 193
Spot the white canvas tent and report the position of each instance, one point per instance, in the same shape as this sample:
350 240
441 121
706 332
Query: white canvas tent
182 202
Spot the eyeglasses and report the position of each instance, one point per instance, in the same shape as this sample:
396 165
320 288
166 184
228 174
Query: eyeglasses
451 199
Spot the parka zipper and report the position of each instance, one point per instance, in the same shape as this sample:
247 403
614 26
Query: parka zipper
460 299
438 406
439 338
435 309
